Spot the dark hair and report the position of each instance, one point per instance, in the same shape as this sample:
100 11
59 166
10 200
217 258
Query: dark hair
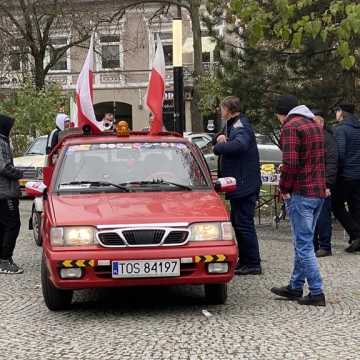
232 103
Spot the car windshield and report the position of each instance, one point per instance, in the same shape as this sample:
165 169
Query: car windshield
38 147
135 166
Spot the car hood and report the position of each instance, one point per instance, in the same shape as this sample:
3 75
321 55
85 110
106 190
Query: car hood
137 208
30 161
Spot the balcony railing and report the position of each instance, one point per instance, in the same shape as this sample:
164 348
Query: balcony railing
105 79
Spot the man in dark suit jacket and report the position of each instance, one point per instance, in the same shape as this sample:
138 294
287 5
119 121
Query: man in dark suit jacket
240 159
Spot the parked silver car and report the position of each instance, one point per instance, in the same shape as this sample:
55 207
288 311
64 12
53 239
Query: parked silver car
204 142
269 152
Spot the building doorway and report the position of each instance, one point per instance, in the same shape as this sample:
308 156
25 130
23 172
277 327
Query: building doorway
120 110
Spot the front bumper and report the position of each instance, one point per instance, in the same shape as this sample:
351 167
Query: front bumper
97 276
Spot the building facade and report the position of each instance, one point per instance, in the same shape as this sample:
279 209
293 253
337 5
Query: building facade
122 63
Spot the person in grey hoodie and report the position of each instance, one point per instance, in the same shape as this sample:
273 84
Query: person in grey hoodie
9 200
347 190
302 186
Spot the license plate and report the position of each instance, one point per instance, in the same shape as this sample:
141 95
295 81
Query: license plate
145 268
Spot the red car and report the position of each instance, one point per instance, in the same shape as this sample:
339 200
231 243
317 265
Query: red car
133 210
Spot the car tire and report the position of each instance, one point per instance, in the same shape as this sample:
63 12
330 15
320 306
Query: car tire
36 227
55 299
216 294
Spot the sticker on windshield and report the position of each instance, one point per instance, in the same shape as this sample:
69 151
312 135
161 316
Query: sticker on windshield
74 186
82 147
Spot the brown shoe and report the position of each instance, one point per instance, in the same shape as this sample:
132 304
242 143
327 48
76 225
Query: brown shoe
323 253
314 300
355 246
287 292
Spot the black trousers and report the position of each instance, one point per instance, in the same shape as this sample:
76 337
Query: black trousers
242 218
9 226
323 230
347 191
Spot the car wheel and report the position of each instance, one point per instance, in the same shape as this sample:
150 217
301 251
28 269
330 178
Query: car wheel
55 299
36 226
216 294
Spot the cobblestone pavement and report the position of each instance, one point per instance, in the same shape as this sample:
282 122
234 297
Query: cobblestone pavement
156 323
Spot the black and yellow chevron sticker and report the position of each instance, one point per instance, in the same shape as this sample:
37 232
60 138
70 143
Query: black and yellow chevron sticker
210 258
78 263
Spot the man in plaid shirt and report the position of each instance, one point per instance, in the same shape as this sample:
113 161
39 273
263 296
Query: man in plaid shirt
302 184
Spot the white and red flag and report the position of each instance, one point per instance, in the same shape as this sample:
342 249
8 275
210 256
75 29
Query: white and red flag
154 98
84 94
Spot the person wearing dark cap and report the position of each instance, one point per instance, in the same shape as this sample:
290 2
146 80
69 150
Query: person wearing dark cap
302 185
347 135
323 230
9 200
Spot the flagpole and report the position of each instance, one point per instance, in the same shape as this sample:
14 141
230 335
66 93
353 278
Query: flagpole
179 104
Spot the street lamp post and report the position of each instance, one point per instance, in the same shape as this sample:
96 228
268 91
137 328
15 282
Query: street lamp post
179 105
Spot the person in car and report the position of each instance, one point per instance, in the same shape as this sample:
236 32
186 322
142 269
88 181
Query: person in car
61 121
240 159
9 200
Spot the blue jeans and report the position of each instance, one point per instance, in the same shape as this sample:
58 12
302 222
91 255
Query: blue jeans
303 214
323 230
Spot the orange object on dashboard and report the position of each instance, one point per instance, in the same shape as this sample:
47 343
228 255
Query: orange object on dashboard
122 128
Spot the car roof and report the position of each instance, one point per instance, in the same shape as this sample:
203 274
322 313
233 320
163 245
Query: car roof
108 138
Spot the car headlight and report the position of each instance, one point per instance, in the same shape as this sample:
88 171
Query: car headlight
211 231
72 236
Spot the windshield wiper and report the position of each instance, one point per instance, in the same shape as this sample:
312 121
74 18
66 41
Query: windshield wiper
97 183
157 182
34 153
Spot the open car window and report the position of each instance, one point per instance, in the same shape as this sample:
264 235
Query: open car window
142 166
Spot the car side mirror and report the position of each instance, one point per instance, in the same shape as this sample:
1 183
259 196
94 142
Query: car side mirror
35 188
225 185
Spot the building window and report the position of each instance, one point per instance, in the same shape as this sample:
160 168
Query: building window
166 40
168 54
17 57
110 51
62 64
15 60
206 57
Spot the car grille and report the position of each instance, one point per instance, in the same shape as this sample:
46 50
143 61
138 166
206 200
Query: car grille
142 237
176 237
111 239
29 172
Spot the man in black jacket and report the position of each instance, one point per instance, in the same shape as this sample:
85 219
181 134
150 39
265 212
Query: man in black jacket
323 231
347 135
9 200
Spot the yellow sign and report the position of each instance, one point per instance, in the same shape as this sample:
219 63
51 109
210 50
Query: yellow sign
268 168
78 263
210 258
